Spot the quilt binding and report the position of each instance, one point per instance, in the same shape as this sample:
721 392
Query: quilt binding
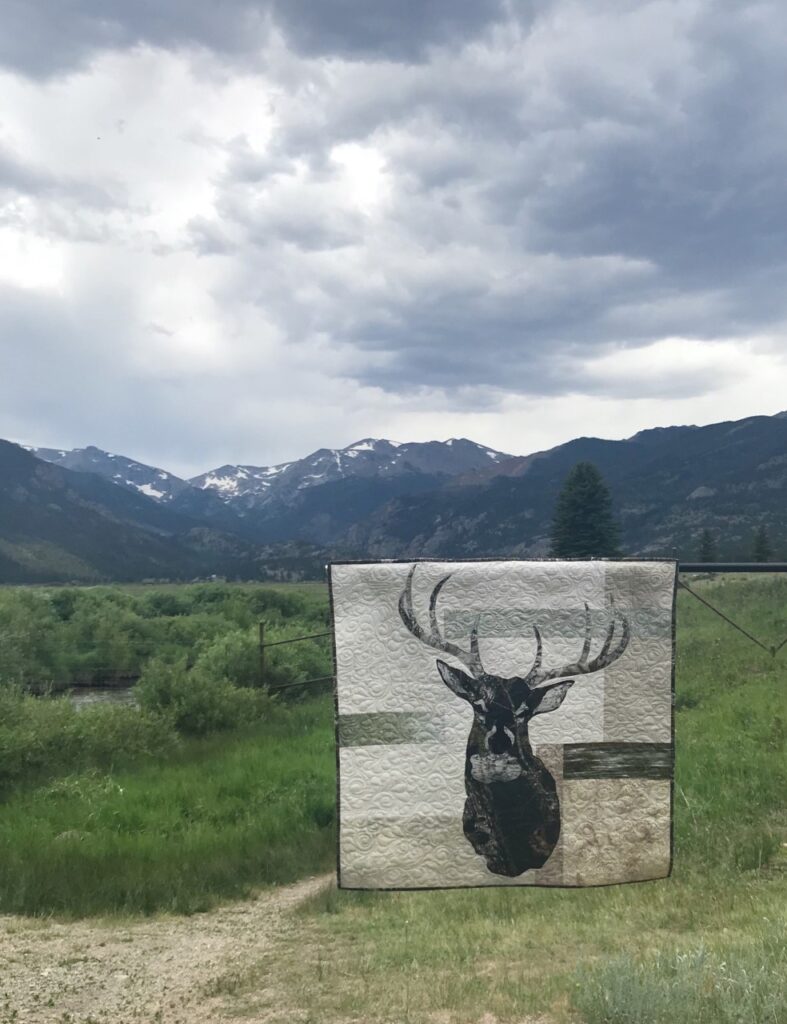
521 561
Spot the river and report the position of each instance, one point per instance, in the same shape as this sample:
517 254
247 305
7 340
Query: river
87 696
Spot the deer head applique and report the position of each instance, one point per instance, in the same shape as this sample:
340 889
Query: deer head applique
512 812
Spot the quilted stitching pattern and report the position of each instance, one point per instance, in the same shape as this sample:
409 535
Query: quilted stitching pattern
442 789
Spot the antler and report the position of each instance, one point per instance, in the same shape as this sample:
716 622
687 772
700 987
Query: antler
582 666
470 659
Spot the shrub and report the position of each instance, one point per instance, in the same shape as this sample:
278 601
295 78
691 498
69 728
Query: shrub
196 701
234 656
29 651
49 639
45 737
296 662
114 734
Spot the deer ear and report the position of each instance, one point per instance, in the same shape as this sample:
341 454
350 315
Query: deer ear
456 680
550 698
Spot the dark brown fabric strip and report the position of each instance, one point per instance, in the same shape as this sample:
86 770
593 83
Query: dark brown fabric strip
617 761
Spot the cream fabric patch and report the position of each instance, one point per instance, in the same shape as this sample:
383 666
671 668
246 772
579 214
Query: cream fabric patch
503 723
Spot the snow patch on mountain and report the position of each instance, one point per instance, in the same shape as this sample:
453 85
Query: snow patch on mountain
151 481
256 486
226 484
147 489
245 488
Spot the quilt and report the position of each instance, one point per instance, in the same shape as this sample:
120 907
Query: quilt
503 722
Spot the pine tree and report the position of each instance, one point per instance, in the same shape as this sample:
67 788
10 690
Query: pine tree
708 551
583 525
761 547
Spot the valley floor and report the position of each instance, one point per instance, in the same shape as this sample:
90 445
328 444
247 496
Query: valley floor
91 851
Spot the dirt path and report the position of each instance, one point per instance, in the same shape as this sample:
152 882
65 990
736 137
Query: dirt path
162 970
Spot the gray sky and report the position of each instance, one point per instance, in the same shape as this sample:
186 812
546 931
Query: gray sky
240 231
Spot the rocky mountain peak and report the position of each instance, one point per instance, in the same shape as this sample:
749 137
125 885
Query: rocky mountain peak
370 457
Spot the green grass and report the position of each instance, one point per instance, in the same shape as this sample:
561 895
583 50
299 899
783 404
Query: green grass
747 983
122 810
225 814
221 816
41 739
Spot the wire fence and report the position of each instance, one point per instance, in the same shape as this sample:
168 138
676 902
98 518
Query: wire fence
732 567
772 649
683 567
110 674
295 639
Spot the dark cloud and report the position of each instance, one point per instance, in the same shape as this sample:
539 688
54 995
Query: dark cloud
41 38
389 29
688 175
558 193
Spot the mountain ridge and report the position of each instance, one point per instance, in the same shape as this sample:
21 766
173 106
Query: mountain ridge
64 526
729 477
255 486
246 487
379 498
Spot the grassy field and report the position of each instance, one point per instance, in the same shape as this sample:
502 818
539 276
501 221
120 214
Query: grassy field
219 815
210 821
309 588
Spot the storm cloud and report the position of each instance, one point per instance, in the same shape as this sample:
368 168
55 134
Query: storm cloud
450 218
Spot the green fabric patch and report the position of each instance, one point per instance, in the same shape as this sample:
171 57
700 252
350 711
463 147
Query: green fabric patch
382 728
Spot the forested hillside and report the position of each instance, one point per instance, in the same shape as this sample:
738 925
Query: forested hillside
60 525
667 485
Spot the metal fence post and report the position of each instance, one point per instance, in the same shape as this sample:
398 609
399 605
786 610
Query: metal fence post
262 655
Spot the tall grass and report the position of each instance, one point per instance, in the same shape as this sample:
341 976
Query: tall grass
194 648
745 983
210 787
41 738
222 815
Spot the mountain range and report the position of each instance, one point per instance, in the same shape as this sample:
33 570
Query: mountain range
254 487
88 515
